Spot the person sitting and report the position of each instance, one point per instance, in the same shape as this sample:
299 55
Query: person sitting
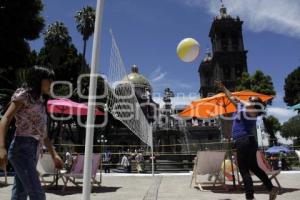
68 161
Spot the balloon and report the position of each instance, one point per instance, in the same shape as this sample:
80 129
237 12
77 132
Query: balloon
228 166
188 50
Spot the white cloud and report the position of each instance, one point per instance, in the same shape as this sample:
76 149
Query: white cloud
283 140
159 77
159 80
157 74
278 16
282 114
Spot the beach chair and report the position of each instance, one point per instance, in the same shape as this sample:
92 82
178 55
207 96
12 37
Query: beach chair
77 171
264 165
267 168
46 168
3 168
208 163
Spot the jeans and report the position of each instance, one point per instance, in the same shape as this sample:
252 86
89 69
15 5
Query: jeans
247 161
22 154
106 165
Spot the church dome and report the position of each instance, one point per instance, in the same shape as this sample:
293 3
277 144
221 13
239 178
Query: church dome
141 85
137 79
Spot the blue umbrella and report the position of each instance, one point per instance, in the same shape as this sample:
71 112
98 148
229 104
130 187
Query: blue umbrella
279 149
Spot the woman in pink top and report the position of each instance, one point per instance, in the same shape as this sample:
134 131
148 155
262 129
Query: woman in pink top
27 106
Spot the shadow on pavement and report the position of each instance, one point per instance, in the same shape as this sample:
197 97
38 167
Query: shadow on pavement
70 190
2 185
259 189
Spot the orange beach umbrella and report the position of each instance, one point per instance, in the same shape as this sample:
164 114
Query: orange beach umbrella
218 104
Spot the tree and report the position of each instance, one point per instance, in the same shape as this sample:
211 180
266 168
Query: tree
57 41
292 88
244 83
258 82
272 126
102 90
60 54
290 129
20 22
6 93
85 20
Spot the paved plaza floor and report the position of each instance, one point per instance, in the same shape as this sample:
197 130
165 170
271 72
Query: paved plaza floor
162 187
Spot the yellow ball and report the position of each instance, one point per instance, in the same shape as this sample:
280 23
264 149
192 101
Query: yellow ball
188 49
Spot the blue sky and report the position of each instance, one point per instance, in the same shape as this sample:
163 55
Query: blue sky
148 31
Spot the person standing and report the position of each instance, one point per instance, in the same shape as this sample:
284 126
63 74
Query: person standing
27 106
125 163
195 121
106 161
243 134
139 162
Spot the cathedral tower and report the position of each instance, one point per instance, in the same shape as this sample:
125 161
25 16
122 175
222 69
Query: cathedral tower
228 59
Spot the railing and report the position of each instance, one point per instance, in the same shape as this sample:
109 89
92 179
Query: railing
167 160
121 149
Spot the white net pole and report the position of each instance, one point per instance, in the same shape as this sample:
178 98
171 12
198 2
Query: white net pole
88 153
152 150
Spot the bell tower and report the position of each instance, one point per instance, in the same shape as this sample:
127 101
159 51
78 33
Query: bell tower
229 57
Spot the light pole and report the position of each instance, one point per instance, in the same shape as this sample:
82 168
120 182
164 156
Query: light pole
168 106
102 141
148 96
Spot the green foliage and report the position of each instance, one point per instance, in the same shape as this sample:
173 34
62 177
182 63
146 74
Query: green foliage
292 88
20 21
60 54
61 90
102 90
85 24
57 35
244 83
85 20
258 82
291 128
21 77
272 126
6 93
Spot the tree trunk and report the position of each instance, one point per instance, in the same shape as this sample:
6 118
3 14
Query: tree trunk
83 69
